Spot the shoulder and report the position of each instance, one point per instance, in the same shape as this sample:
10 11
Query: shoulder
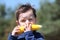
38 35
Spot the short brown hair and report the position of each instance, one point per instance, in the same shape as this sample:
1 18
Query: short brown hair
24 8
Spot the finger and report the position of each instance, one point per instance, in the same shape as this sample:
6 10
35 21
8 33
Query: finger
30 26
17 30
25 27
18 26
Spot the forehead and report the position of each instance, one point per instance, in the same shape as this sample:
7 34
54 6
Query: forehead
29 13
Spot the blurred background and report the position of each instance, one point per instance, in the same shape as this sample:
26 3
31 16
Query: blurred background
48 15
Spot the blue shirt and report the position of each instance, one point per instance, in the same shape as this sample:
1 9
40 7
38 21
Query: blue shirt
27 36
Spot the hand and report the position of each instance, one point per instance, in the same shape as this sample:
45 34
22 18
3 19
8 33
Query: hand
16 31
27 27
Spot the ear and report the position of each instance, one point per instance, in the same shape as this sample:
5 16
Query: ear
35 20
17 22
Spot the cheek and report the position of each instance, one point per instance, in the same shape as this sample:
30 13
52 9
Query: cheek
33 22
21 23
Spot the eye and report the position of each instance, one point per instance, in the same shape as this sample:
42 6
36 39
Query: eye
23 20
30 19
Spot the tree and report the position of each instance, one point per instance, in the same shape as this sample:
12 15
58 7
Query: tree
49 17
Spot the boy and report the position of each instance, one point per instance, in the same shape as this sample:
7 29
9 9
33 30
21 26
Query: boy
26 16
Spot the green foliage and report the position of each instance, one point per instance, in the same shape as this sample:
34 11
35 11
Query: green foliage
49 17
2 10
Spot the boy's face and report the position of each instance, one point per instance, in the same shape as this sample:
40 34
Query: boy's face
26 18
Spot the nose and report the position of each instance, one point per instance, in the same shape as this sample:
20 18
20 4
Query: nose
27 22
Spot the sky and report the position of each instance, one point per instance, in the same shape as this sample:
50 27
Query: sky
14 3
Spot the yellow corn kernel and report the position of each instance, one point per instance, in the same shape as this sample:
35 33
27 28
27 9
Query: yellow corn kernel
34 27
